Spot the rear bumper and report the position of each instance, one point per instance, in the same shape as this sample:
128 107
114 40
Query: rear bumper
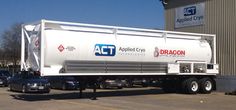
41 89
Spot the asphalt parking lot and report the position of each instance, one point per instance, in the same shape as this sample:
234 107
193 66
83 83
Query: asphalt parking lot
115 99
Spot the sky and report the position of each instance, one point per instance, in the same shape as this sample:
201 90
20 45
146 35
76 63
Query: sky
127 13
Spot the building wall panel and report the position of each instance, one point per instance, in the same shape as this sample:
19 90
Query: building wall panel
220 19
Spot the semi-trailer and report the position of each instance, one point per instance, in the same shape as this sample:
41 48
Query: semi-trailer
92 53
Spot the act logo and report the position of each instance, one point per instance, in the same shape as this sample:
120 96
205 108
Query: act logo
190 11
105 50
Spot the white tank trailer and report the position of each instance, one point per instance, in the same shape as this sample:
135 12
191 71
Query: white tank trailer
179 60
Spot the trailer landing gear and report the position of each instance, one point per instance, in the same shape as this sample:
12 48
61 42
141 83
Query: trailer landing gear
94 95
91 82
80 91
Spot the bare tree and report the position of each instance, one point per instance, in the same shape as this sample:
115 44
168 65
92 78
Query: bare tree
11 39
3 60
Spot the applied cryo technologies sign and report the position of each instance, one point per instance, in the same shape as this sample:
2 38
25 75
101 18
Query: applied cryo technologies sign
190 15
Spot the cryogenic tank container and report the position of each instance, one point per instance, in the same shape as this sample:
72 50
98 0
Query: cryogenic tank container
55 48
88 46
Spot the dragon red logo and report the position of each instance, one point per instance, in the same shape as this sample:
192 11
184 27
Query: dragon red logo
168 52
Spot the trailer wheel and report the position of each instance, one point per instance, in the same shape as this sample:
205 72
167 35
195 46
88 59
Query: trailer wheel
190 86
206 85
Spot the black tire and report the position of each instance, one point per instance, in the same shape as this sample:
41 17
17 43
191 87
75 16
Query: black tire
206 85
190 86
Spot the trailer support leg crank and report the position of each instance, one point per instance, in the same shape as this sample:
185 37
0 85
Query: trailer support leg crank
82 86
80 91
94 96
